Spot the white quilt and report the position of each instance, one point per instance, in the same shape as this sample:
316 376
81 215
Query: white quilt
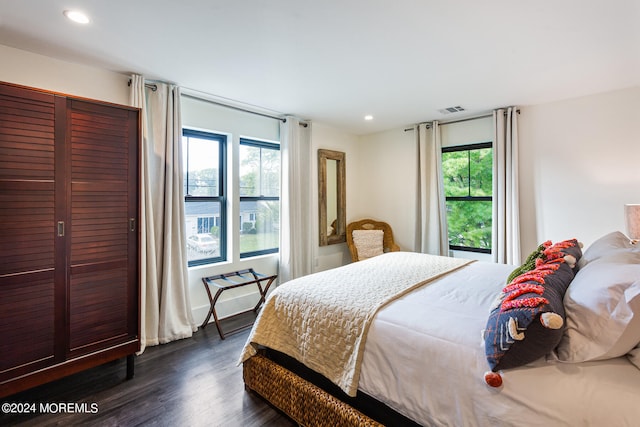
322 319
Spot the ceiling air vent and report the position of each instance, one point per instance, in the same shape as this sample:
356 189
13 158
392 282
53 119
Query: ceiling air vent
450 110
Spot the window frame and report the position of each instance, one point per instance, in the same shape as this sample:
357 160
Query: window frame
262 145
469 198
221 198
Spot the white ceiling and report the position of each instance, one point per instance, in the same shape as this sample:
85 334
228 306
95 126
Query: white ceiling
336 61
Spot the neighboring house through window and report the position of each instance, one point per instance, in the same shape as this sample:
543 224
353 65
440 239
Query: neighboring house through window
204 157
467 171
259 197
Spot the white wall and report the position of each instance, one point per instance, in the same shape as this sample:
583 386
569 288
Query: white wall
579 164
467 132
387 183
42 72
464 133
329 138
202 115
387 176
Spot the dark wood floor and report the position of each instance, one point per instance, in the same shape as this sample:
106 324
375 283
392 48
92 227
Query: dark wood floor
190 382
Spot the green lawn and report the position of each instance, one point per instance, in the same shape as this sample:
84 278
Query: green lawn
258 242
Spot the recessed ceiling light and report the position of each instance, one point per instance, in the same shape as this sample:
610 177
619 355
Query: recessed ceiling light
368 117
76 16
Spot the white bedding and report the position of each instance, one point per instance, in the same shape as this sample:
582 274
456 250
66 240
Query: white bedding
424 358
322 319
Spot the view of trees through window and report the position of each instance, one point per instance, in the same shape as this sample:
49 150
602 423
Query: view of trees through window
467 171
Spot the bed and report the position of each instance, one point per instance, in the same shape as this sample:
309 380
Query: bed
420 357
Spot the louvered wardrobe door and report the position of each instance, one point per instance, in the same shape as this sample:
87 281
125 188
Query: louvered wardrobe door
28 318
102 235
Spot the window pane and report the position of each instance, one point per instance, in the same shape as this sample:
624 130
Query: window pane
270 173
203 229
481 165
201 163
249 170
455 172
469 223
259 225
259 171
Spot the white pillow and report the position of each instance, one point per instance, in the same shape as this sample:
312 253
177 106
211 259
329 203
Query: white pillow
602 306
369 243
609 244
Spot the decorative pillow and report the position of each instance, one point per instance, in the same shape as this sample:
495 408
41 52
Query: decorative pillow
603 308
546 251
606 245
528 319
369 243
530 262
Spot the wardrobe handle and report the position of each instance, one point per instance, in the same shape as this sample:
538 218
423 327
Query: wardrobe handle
60 228
132 224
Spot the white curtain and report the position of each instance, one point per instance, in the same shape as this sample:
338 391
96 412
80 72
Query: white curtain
432 216
295 200
165 305
506 224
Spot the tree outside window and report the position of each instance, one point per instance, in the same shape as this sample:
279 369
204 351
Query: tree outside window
468 171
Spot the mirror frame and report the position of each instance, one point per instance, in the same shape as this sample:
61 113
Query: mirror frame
341 223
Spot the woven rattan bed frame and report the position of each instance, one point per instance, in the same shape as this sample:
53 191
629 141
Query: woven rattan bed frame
301 400
310 399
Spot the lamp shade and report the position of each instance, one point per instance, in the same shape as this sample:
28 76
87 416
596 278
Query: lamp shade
632 219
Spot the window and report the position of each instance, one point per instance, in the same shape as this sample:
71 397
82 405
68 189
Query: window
204 200
259 197
467 171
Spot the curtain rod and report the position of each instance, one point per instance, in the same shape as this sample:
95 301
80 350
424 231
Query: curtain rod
152 86
484 116
233 107
244 110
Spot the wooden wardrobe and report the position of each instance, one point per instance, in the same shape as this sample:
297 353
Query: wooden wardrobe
69 240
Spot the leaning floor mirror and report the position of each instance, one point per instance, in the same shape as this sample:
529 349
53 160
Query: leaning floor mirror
331 197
